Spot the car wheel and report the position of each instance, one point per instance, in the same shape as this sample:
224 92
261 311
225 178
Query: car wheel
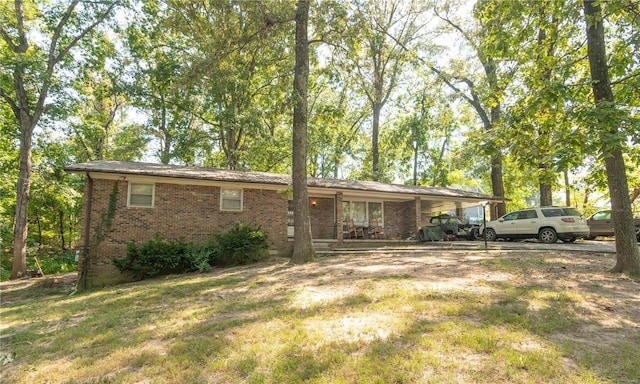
548 235
638 233
473 234
490 234
569 240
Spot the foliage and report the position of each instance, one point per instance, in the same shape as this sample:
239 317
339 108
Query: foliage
243 244
52 261
154 257
209 83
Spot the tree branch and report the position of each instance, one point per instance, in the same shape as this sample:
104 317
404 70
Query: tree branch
12 104
82 34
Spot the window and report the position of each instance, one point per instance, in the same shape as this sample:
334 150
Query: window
603 215
375 212
361 212
141 195
230 199
523 215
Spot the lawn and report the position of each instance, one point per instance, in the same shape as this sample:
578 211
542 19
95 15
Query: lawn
423 317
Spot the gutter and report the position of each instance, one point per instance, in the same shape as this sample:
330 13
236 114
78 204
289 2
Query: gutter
82 279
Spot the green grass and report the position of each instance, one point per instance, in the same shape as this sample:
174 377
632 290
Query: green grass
277 323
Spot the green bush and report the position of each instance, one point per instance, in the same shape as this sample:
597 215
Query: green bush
56 262
199 257
156 257
52 261
243 244
5 265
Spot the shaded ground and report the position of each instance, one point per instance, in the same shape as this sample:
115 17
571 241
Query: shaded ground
615 303
601 310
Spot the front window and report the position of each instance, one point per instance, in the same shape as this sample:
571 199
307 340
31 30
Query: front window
375 212
141 195
362 212
230 199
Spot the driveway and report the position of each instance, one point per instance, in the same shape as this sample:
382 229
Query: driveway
601 246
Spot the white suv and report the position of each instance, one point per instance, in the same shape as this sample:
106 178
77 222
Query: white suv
548 224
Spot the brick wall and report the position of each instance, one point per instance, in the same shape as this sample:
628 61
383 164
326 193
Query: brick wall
399 218
322 218
189 212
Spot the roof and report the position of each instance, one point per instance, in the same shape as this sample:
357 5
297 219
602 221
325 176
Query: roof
264 178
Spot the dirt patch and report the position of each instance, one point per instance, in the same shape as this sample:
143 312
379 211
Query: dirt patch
609 304
24 289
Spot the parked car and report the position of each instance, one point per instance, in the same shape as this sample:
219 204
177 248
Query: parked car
601 224
452 225
547 224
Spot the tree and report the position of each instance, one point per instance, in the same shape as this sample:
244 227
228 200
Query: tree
379 37
608 119
302 246
99 124
30 74
229 64
494 42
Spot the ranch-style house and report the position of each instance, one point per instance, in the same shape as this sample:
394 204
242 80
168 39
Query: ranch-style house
132 202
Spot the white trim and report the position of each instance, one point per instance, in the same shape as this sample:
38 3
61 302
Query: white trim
185 181
153 195
222 189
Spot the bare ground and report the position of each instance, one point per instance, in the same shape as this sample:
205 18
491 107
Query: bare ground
609 308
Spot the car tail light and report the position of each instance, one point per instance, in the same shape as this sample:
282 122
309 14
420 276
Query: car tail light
568 220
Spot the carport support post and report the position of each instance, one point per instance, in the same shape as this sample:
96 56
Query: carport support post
418 217
459 211
483 204
339 218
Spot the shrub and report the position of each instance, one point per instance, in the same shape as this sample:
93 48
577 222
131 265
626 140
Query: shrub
243 244
156 257
199 257
52 261
56 262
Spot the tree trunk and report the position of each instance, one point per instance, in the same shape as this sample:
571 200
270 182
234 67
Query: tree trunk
546 195
627 252
634 195
375 133
567 188
19 267
63 244
497 183
302 245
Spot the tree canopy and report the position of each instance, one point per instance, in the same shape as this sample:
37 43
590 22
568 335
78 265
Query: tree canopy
494 96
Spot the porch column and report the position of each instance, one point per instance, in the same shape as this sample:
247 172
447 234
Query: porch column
418 215
339 218
425 212
459 211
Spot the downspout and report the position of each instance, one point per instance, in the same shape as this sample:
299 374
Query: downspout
82 279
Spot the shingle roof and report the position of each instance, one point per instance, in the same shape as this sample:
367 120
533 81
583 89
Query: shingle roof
225 175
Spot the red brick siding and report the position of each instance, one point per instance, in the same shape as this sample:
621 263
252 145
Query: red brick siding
322 218
399 218
189 212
